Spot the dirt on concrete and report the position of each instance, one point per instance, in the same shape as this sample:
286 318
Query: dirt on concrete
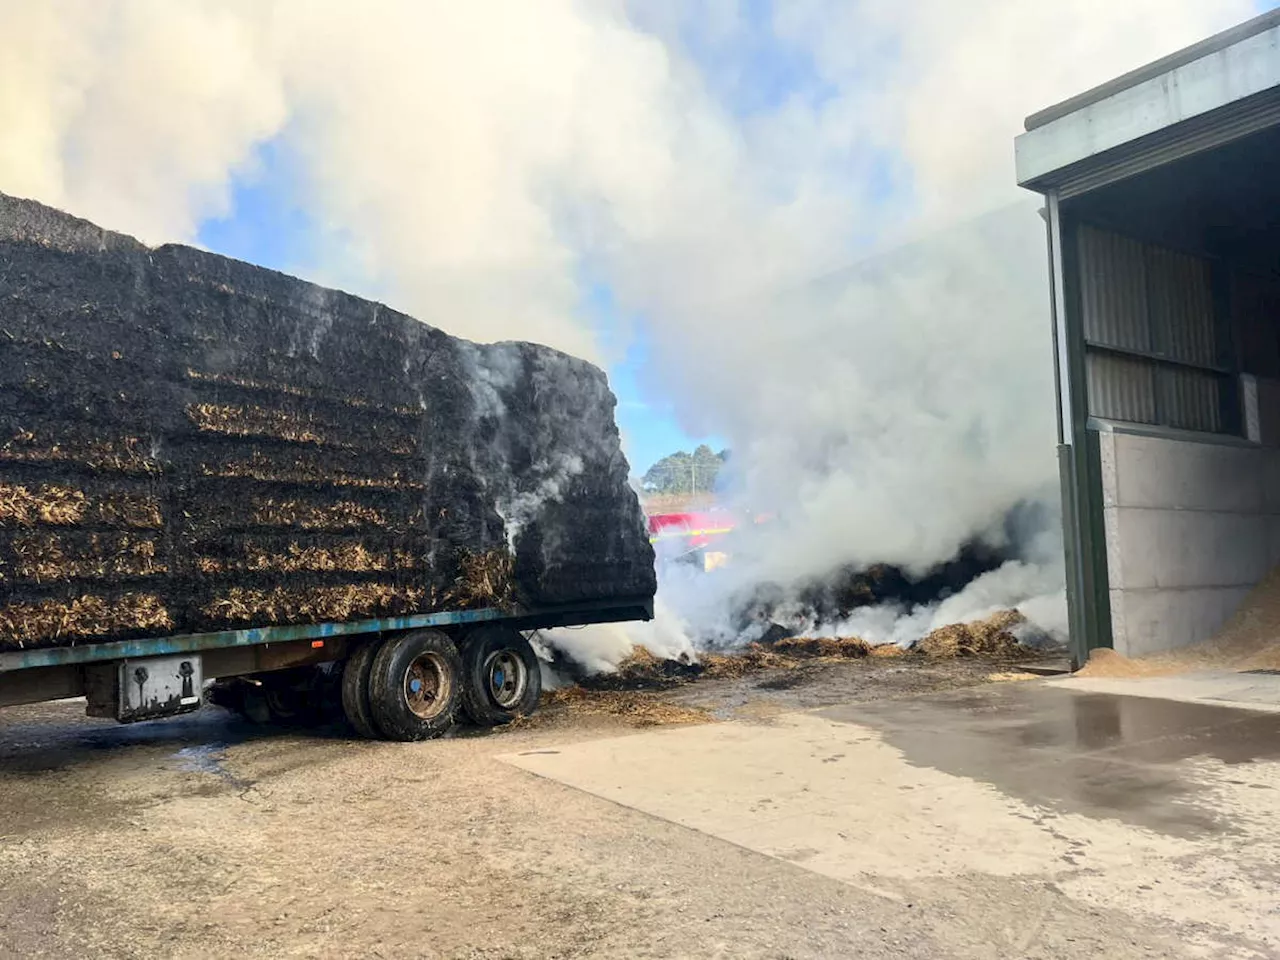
204 836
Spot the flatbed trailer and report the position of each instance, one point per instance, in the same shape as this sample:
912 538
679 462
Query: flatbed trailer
396 678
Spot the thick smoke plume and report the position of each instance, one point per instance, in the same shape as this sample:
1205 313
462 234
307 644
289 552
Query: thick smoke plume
486 165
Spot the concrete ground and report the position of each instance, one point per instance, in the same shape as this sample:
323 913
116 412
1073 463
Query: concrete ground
923 813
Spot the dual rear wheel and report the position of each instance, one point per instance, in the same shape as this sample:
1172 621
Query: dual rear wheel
411 686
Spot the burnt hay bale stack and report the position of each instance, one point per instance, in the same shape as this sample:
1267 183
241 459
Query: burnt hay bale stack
192 443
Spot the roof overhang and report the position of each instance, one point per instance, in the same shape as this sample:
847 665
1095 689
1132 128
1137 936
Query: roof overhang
1222 88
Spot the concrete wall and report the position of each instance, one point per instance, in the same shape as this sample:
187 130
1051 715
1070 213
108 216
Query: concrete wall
1190 526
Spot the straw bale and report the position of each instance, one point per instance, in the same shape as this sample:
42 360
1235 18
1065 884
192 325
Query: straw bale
313 604
257 406
27 624
50 558
269 470
303 515
249 421
484 580
849 648
993 636
125 455
23 506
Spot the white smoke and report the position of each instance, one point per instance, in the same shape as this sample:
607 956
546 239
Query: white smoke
597 648
551 480
481 164
1034 590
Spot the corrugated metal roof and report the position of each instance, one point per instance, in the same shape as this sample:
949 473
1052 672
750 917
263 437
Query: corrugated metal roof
1204 48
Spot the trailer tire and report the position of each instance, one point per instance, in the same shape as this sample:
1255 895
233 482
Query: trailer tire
501 678
414 686
355 691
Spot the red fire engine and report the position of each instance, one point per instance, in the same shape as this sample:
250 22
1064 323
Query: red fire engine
699 536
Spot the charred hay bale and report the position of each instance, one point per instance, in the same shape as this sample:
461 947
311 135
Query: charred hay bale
290 452
58 505
44 557
311 603
45 442
84 617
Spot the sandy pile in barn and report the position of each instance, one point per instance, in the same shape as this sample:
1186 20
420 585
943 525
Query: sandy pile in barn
1249 640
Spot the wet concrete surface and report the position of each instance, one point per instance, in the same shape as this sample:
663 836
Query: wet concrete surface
1099 755
1165 810
1008 819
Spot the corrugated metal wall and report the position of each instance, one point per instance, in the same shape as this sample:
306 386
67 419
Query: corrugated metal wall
1255 314
1113 291
1151 334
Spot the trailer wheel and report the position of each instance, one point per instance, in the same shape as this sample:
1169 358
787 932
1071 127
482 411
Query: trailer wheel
501 676
414 685
355 691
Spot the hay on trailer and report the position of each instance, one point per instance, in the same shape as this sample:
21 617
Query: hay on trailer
300 558
23 506
126 455
50 558
25 624
299 514
348 601
290 389
340 419
248 421
265 470
484 580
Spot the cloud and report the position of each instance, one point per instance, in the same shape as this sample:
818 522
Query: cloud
136 114
473 162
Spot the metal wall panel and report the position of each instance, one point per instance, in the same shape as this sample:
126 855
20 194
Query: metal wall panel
1121 388
1180 297
1255 315
1149 322
1113 290
1189 399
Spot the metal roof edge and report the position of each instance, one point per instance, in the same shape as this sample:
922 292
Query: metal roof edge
1210 45
1215 97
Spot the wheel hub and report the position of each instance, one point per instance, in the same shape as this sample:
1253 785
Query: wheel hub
506 679
426 686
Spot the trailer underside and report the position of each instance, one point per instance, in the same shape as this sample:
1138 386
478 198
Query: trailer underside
445 671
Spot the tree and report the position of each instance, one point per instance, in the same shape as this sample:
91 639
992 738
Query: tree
685 473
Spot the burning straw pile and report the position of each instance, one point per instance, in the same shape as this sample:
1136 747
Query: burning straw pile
190 443
994 638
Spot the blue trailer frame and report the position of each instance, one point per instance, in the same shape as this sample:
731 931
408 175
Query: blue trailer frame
567 615
46 673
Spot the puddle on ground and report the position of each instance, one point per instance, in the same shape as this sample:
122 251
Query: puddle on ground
1099 755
